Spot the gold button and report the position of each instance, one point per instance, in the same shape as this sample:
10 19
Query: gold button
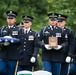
24 49
24 46
24 42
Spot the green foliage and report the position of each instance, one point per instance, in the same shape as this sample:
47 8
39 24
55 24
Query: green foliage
39 9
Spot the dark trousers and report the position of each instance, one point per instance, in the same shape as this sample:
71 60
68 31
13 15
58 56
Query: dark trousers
64 69
2 67
72 69
52 67
7 67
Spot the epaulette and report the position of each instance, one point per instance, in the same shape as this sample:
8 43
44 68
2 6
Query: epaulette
70 30
2 29
35 32
44 29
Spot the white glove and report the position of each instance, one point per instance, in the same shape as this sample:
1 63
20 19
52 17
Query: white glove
47 47
33 59
58 47
68 59
50 73
6 43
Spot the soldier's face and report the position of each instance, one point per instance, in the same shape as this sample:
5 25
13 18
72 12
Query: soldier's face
61 24
53 22
27 24
11 21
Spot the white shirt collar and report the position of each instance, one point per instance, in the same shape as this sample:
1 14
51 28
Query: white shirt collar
27 30
51 26
10 26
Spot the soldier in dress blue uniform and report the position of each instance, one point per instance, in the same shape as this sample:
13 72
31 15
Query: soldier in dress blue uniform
52 56
73 64
28 47
9 53
68 51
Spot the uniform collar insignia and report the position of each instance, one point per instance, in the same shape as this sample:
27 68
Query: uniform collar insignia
30 31
48 27
64 29
56 28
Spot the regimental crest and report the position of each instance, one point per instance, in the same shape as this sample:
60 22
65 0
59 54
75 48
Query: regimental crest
59 15
25 16
66 36
10 12
52 13
38 35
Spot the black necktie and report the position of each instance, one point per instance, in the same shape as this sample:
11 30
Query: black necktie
10 27
26 31
52 27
